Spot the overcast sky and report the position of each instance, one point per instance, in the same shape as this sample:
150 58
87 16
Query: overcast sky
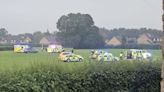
22 16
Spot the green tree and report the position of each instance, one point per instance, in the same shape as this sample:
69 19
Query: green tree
73 22
78 30
47 33
3 32
37 36
123 40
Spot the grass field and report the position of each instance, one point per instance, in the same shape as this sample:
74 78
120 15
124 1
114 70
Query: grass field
11 61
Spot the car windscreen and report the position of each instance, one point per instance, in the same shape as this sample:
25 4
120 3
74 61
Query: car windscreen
66 53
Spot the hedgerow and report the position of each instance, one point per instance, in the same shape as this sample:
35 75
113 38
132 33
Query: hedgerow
92 77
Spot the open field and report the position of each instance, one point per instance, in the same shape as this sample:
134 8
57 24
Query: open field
10 60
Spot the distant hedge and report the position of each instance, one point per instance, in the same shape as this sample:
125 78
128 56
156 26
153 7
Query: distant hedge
138 78
135 46
6 48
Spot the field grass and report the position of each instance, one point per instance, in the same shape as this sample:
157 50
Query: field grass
11 61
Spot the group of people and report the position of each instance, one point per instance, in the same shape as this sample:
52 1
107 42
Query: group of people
131 55
95 53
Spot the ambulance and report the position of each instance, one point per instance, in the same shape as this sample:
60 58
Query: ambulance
24 48
54 48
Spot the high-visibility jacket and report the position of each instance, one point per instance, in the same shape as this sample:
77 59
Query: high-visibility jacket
105 58
96 52
135 55
139 54
142 54
121 56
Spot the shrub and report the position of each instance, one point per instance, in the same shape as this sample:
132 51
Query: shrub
95 77
6 48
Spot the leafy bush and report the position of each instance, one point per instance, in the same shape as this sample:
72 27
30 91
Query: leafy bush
6 48
92 77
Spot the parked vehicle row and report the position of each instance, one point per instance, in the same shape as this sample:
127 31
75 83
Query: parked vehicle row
97 55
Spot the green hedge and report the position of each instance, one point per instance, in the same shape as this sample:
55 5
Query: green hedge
6 48
135 46
96 78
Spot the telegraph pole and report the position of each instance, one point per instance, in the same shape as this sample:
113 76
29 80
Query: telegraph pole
162 70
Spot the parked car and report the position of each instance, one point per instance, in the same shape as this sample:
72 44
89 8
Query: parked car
30 50
106 57
70 57
63 55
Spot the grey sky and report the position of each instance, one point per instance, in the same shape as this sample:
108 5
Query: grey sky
20 16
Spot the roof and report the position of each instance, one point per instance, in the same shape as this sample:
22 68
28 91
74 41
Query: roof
14 37
9 38
154 35
133 33
119 38
50 39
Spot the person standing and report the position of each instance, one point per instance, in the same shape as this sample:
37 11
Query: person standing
72 51
121 56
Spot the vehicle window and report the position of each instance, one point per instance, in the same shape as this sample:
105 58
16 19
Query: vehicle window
66 53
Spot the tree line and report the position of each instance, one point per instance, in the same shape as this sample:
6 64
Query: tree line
79 31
